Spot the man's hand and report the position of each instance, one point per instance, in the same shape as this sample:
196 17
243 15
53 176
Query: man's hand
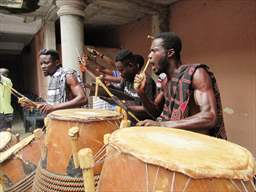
45 108
148 122
94 52
140 83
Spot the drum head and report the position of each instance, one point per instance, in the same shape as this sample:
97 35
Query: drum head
84 115
193 154
5 138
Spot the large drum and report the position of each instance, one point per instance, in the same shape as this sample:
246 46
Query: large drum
18 163
165 159
58 170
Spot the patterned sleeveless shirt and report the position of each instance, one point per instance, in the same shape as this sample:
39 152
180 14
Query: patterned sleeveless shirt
179 92
57 88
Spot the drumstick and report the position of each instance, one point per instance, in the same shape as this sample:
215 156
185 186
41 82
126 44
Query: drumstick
19 95
146 66
114 98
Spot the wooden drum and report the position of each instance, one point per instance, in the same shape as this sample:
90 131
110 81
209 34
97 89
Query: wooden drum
18 164
58 170
167 159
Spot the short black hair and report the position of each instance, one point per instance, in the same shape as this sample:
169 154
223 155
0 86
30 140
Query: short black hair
138 59
171 41
53 53
124 54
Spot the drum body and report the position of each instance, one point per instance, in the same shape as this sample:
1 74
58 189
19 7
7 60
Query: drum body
161 159
93 125
18 170
57 170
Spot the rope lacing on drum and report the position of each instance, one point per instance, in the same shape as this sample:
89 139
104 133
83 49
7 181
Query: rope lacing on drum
22 185
46 181
100 156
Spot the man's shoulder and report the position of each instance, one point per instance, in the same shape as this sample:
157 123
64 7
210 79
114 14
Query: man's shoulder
68 70
195 66
6 80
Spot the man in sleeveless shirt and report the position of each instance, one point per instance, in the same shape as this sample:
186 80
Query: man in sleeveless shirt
189 97
65 89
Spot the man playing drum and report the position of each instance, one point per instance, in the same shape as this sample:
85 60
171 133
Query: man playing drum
65 88
189 97
129 65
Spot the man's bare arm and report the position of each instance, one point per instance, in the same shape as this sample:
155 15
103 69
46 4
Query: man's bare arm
154 107
204 97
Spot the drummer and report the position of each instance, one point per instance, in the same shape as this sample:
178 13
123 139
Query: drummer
189 97
65 88
129 65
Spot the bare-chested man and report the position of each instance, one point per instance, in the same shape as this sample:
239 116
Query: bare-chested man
189 97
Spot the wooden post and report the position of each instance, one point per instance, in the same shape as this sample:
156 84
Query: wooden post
86 162
38 133
125 122
106 138
74 133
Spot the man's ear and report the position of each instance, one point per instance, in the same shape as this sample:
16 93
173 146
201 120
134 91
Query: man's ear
57 62
170 53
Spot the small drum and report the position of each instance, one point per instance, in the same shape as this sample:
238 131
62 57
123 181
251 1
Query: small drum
18 164
167 159
57 169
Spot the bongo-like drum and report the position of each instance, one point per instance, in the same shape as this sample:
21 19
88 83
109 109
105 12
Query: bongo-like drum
18 163
166 159
58 170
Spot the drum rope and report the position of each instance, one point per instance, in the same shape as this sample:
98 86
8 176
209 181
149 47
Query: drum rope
246 190
100 152
146 176
186 185
114 124
22 185
254 188
46 181
173 182
236 186
100 161
154 186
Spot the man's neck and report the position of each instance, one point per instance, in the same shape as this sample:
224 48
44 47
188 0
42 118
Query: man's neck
174 66
54 71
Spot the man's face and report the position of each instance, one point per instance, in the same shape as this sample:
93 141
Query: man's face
47 65
128 70
158 57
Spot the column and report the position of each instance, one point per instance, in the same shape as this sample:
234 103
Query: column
48 43
71 13
160 21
